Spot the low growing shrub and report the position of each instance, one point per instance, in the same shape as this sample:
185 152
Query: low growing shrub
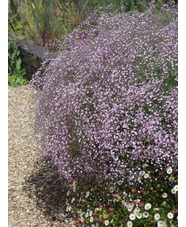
108 105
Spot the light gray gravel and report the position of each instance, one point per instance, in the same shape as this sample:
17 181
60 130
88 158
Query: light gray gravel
35 197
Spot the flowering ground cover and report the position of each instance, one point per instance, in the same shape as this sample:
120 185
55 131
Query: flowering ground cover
107 118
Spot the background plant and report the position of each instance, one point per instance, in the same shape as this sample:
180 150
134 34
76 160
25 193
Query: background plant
15 72
45 22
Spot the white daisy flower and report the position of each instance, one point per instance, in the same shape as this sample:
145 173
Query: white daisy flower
91 219
72 200
139 215
86 215
132 217
145 214
111 189
170 215
157 216
90 213
148 206
106 222
164 203
82 219
115 200
144 165
161 223
136 210
164 195
173 191
129 209
169 170
141 173
176 187
155 209
68 208
129 224
146 175
87 194
171 178
68 193
120 182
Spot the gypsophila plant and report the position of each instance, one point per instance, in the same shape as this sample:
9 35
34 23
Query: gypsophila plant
106 109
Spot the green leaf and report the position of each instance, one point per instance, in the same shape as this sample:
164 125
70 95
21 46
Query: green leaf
22 72
12 80
18 65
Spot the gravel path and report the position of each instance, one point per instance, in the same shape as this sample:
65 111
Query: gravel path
35 197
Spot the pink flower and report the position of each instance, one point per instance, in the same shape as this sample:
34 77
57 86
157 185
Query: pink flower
100 206
160 172
150 221
26 18
111 214
111 208
99 185
66 4
77 205
175 210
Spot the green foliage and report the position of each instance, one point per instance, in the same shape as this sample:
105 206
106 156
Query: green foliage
45 22
15 72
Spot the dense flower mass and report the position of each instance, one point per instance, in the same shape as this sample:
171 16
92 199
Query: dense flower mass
108 103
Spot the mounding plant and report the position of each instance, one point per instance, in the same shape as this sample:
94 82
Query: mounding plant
107 106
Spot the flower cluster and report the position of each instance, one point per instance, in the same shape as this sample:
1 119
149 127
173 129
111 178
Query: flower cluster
111 102
115 204
106 108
